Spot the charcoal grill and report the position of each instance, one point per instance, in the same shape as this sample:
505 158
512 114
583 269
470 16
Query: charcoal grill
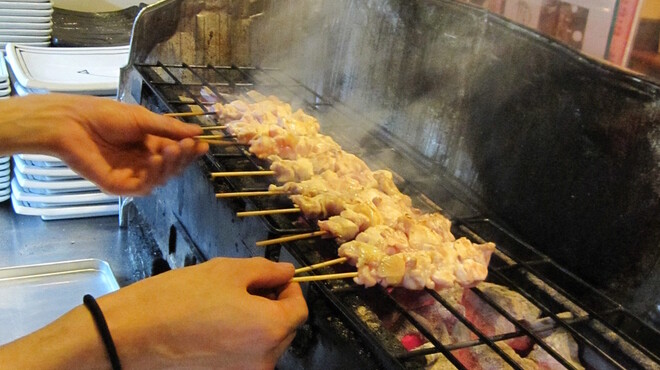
453 80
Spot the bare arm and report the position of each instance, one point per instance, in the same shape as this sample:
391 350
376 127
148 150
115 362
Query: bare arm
203 316
124 149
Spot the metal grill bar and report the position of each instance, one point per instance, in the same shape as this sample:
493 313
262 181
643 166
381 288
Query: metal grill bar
499 273
511 284
489 342
601 297
523 329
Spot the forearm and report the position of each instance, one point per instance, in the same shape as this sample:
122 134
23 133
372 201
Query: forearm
32 125
71 342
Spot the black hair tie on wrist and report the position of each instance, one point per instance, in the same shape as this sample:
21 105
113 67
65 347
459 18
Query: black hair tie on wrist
102 326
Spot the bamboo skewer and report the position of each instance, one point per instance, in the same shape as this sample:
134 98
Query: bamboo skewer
291 238
249 194
219 142
242 173
218 127
267 212
204 137
344 275
188 114
322 264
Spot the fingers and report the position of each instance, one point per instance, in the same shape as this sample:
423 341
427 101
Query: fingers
265 274
155 124
293 302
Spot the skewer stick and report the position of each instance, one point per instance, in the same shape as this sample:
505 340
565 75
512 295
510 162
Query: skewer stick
204 137
220 142
249 194
344 275
267 212
291 238
188 114
322 264
242 173
219 127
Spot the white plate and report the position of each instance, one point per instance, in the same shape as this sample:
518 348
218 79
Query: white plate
26 13
24 26
53 173
4 85
21 32
5 92
92 197
25 5
94 71
4 73
4 19
4 159
65 212
5 191
41 158
5 172
54 186
28 1
3 45
19 38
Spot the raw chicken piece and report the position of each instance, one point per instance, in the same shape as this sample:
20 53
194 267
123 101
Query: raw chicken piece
320 206
341 228
289 170
387 239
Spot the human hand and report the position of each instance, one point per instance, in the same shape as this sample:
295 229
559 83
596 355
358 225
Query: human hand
207 316
124 149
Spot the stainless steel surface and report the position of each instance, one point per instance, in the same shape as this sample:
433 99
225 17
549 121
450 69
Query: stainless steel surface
30 240
34 295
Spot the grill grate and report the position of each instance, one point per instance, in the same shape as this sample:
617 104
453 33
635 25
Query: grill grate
605 331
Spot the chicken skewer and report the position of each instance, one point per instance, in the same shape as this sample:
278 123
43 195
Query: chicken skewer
389 241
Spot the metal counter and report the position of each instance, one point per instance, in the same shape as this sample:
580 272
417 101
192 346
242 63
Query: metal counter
30 240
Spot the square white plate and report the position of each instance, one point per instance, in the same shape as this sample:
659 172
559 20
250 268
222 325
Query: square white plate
4 73
26 181
66 212
89 70
92 197
46 25
27 39
41 158
23 32
28 1
22 19
25 5
26 13
52 173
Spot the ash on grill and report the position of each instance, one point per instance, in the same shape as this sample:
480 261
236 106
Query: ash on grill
537 313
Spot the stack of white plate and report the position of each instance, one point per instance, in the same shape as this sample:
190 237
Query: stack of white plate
42 185
26 22
5 169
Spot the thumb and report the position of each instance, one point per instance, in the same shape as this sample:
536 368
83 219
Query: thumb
159 125
265 274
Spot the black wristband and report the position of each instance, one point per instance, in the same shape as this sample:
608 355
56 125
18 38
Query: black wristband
102 326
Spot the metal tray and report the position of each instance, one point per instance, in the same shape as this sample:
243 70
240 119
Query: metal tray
32 296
